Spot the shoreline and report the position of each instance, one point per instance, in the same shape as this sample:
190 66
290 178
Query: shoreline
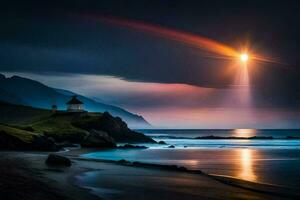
58 180
266 188
67 178
229 180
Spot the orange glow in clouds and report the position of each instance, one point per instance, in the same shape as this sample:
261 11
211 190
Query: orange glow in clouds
221 50
191 39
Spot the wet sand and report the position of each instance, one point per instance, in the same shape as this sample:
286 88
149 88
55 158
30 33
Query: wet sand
90 179
30 178
122 182
272 166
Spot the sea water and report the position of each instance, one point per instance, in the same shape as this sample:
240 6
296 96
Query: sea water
270 161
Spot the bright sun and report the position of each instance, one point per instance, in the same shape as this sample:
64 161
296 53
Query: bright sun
244 57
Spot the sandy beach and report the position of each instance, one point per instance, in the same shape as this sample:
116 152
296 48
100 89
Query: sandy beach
91 179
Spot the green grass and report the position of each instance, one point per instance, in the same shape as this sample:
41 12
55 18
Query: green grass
25 136
63 126
18 114
59 126
29 120
40 121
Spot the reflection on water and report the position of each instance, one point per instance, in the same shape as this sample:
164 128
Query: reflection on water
267 161
246 165
244 132
191 162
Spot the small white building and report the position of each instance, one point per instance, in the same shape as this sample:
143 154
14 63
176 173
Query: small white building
74 105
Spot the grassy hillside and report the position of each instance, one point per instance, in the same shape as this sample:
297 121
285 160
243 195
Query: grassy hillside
12 138
64 126
60 127
17 114
41 121
23 135
74 127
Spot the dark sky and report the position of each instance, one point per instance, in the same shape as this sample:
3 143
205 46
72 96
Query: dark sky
36 36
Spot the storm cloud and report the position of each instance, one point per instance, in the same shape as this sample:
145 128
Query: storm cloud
54 37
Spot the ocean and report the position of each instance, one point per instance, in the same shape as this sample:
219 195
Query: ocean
272 161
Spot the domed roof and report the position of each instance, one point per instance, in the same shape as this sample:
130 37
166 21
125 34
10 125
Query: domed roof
74 100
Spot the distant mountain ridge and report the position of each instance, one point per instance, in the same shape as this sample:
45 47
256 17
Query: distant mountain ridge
24 91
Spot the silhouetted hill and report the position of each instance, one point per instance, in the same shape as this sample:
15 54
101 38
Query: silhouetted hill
28 92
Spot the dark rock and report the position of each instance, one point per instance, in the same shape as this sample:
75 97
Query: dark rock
98 139
171 146
160 166
43 143
292 137
130 146
10 142
115 127
184 146
261 138
67 144
162 142
212 137
181 168
39 143
124 162
74 137
54 159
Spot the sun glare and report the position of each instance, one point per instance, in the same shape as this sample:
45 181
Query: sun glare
244 57
244 132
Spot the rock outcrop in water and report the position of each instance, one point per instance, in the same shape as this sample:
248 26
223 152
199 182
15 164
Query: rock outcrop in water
130 146
212 137
162 142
